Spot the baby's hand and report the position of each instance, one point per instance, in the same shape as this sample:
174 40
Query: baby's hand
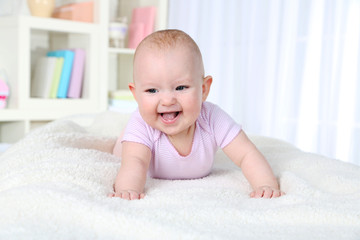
266 192
127 194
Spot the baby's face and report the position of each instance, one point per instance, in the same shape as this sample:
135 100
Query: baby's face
168 86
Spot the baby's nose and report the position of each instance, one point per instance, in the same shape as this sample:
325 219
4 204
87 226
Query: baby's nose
168 99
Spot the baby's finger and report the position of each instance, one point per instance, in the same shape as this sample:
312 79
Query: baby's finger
276 194
268 193
258 193
125 195
117 194
253 194
111 195
122 195
134 195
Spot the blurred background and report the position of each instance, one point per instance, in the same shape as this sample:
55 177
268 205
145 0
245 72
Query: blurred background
287 69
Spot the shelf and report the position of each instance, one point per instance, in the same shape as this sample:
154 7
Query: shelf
120 64
10 115
12 131
43 41
34 38
128 51
49 24
26 38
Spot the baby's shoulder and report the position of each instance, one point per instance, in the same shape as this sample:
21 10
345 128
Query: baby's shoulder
211 111
206 116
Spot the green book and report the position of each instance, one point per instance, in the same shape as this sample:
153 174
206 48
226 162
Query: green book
64 83
56 77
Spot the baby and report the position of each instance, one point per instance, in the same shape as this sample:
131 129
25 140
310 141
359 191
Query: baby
175 133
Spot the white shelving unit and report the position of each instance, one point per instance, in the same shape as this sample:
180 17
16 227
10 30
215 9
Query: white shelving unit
26 38
120 59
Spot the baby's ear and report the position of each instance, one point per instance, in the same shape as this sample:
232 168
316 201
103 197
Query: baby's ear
132 89
206 87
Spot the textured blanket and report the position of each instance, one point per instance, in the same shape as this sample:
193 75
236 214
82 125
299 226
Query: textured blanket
54 185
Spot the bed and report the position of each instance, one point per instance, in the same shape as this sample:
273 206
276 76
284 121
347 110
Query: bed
54 185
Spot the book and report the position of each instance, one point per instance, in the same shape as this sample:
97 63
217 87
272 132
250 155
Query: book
77 74
142 24
68 56
122 101
56 77
122 106
42 79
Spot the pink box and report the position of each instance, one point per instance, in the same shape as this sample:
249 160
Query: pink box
136 34
142 24
4 93
82 12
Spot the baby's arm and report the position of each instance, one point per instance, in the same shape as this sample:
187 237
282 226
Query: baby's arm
254 166
131 178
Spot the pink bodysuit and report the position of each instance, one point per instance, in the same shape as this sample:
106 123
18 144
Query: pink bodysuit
214 129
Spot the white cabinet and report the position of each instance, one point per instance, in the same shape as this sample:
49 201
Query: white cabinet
23 39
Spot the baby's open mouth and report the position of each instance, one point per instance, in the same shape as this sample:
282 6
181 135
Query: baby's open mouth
169 116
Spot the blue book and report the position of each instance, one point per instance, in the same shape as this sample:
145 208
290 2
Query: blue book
64 83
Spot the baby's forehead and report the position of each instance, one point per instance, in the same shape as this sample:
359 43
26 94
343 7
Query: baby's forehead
183 50
178 50
168 47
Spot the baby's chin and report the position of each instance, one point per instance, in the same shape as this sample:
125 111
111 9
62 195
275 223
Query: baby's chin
170 131
176 131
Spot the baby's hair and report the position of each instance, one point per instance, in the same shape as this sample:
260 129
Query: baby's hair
169 38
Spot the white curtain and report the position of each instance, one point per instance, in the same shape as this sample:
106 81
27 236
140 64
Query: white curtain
288 69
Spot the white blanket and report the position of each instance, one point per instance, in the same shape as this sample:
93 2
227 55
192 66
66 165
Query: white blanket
54 185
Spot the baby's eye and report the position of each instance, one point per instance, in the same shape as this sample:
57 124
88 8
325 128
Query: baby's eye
151 90
180 88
